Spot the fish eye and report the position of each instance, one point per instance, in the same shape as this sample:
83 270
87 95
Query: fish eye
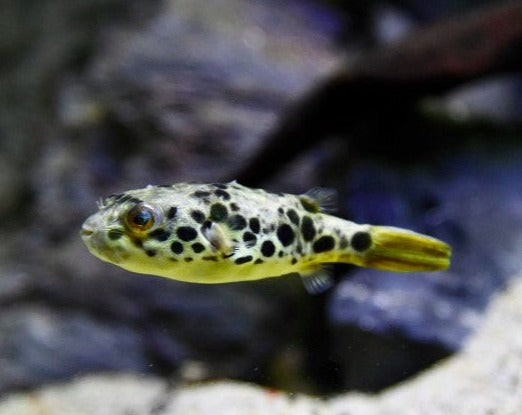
140 218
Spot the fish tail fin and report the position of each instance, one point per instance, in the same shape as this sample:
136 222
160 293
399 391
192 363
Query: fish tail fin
395 249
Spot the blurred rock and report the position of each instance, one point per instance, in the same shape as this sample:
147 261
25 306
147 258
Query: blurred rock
468 383
472 202
38 344
197 88
498 100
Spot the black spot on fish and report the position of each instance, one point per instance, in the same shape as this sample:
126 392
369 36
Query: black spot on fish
197 247
285 234
343 243
236 222
115 234
198 216
176 247
159 235
308 229
201 194
221 193
220 186
294 261
234 207
172 212
254 224
243 259
218 212
361 241
280 210
174 259
189 259
249 238
268 248
150 252
280 254
186 233
210 258
323 244
293 216
258 261
138 242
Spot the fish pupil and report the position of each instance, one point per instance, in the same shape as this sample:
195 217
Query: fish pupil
140 218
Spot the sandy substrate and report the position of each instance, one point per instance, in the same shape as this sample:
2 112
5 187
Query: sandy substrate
484 379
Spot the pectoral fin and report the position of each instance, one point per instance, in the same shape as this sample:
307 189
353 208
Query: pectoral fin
218 239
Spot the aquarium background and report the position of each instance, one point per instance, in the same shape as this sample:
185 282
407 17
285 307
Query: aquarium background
98 97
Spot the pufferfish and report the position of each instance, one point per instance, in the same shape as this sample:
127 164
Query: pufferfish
215 233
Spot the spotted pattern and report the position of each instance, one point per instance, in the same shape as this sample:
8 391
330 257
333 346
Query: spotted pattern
186 233
289 230
361 241
210 258
222 194
254 225
218 212
198 216
285 234
324 243
197 247
268 248
236 222
243 259
171 213
176 247
308 229
160 235
249 238
293 216
115 234
201 194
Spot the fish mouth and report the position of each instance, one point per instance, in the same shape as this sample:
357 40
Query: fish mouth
395 249
96 243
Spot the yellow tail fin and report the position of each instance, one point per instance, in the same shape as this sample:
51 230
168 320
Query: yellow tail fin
396 249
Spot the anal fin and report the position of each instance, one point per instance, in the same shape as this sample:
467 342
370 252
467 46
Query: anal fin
318 281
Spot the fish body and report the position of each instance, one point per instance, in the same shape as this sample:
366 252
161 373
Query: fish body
214 233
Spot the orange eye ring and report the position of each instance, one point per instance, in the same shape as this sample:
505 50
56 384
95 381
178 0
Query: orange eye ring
140 218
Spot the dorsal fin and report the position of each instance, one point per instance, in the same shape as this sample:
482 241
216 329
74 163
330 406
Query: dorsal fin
319 199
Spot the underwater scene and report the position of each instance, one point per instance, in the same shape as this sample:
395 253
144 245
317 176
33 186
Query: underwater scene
261 207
